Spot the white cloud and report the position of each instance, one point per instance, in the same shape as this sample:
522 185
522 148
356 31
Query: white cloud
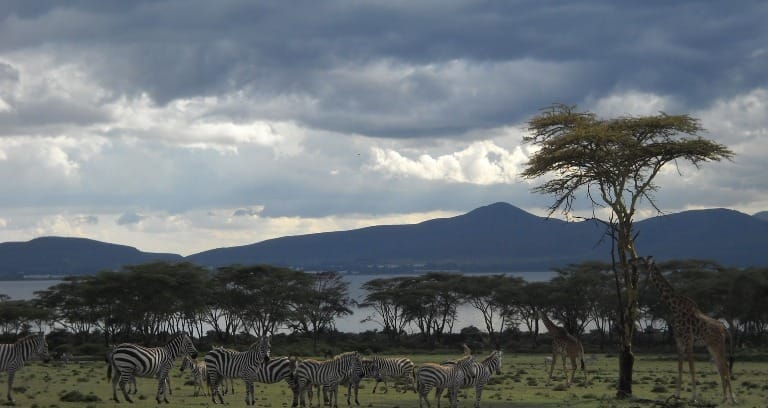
632 103
482 162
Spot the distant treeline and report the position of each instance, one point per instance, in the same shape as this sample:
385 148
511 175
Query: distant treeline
146 302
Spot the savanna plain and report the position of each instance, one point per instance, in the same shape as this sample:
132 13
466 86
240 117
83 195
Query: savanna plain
523 383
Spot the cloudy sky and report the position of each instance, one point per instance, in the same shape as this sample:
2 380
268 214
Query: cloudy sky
183 125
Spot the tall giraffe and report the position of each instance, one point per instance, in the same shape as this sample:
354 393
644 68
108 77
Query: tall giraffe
690 324
564 344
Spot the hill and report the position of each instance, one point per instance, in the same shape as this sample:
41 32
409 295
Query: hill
69 256
501 237
496 237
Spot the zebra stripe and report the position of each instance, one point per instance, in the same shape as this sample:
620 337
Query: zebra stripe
275 370
484 369
199 374
393 367
222 363
330 373
429 375
131 360
14 355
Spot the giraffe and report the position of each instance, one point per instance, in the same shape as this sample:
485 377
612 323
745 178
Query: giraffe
564 344
690 324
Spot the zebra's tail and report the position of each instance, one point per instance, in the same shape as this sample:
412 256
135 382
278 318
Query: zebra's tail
415 381
731 359
108 359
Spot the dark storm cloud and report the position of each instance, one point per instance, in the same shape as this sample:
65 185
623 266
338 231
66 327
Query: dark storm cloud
508 58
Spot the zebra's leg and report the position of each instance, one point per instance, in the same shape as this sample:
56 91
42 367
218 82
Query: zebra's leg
115 379
124 378
478 394
249 400
162 389
439 394
132 388
11 373
423 391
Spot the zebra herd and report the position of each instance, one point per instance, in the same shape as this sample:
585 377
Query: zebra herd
128 361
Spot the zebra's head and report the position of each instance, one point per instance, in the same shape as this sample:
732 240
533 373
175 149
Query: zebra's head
498 354
187 347
263 349
42 348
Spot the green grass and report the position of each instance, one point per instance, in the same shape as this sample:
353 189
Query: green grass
523 383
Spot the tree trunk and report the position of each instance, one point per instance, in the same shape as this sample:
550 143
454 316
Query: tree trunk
626 363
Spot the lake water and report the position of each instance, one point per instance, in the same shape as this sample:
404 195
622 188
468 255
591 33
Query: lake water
467 315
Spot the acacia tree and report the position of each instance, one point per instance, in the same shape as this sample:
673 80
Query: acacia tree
616 161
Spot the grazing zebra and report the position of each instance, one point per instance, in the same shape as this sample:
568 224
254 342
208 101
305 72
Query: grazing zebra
13 356
484 369
393 367
221 363
131 360
433 375
199 375
275 370
327 373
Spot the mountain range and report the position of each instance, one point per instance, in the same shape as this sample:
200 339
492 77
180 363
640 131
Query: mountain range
493 238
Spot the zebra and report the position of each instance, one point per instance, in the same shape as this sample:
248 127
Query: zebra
429 375
131 386
199 374
484 369
326 373
275 370
14 355
222 363
393 367
130 360
368 369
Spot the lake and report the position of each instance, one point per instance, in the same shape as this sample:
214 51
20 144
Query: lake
467 315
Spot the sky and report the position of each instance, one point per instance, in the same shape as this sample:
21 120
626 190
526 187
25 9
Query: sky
186 125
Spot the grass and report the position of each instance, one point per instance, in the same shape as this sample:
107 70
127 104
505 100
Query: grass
523 383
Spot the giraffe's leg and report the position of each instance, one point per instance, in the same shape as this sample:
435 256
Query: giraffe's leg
721 363
692 367
552 368
565 369
680 358
573 369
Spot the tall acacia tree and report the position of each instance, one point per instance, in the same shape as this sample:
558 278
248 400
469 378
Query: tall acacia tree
616 161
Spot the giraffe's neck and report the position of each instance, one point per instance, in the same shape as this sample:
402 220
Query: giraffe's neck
551 327
666 291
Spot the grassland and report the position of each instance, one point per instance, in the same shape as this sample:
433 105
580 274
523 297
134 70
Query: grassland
522 384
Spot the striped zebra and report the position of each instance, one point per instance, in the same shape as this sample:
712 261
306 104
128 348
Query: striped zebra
327 373
14 355
275 370
131 360
222 363
433 375
368 369
484 369
131 386
199 374
397 367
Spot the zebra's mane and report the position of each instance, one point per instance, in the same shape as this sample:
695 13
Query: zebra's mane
347 354
30 337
